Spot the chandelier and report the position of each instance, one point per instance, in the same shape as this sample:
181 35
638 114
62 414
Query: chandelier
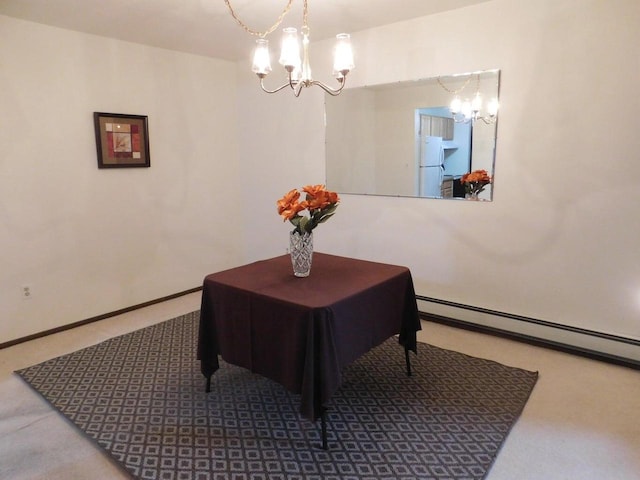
468 111
298 67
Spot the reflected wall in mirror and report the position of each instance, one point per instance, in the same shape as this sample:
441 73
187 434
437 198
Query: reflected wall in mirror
401 139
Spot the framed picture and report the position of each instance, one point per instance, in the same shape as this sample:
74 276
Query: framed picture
122 140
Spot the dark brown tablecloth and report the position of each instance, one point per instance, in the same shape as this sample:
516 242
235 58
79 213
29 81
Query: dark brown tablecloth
301 332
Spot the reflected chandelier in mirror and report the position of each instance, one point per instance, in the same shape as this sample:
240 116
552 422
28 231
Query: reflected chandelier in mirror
402 139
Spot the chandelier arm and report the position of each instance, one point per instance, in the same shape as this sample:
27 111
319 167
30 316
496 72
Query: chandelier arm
331 91
272 91
293 83
488 120
255 32
462 119
459 118
297 88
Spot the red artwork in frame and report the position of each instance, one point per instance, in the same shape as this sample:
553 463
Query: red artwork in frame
121 140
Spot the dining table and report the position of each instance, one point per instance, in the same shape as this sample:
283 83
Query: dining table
302 332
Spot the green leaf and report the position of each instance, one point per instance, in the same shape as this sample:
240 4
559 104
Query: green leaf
332 209
302 224
325 218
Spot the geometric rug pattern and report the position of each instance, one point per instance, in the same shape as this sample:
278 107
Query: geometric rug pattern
141 398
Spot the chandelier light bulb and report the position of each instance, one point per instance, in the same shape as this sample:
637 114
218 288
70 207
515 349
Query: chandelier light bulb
306 66
261 58
476 103
290 50
492 107
342 55
456 105
466 109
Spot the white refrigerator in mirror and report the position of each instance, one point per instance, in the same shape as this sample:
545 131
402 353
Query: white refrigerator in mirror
431 168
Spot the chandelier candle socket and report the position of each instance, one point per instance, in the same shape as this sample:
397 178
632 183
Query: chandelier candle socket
290 49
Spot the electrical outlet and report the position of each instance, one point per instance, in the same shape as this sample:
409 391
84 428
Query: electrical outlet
27 294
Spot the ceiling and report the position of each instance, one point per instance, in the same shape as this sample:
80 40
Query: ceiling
205 27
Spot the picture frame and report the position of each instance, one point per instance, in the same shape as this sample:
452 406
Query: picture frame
122 141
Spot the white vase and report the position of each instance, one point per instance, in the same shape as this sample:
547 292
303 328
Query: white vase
301 250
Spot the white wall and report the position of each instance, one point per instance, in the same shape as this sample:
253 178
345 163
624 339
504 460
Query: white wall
281 147
92 241
558 243
353 149
560 240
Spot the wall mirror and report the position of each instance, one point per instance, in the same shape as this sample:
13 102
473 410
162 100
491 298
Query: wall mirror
402 139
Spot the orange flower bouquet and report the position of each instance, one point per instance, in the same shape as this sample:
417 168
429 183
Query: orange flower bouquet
320 202
474 182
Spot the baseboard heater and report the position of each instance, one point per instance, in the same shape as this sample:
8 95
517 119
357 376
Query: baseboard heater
580 341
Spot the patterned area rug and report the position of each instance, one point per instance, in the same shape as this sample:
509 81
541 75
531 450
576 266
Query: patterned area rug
141 398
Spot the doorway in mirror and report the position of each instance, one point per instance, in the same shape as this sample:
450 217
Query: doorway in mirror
443 154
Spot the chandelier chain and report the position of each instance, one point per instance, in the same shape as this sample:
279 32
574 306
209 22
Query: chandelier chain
269 30
454 92
305 14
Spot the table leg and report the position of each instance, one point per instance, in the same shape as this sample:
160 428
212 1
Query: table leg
323 426
408 361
